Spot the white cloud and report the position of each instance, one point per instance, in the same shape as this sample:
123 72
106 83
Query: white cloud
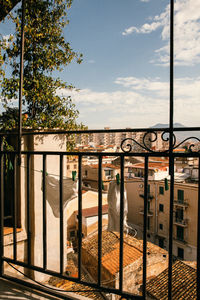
144 0
91 61
7 39
141 102
187 33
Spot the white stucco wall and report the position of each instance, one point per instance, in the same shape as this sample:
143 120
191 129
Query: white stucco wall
44 143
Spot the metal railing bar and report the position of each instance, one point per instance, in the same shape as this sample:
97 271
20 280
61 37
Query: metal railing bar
171 167
61 216
198 237
73 279
99 219
14 208
99 131
121 253
145 230
171 159
39 288
65 296
1 212
82 153
44 213
80 217
28 210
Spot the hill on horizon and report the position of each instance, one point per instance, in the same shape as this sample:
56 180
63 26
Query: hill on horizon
180 136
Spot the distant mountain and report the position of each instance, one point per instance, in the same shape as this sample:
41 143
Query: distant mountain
180 136
160 125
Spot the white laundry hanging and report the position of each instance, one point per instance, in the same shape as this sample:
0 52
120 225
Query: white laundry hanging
70 191
114 207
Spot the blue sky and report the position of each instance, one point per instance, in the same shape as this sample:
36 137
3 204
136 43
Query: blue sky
124 78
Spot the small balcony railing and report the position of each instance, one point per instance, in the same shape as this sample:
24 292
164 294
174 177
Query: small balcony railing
149 212
181 203
150 196
181 222
180 239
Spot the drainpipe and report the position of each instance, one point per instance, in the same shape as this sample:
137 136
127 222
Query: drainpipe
21 82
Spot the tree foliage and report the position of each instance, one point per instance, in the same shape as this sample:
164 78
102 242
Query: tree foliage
45 51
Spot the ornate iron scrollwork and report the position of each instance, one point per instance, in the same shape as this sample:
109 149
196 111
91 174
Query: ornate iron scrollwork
127 145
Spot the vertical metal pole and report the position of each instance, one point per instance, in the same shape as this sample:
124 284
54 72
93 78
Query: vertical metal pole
100 221
121 227
171 159
1 209
79 217
14 209
28 211
198 238
61 215
44 214
21 81
145 228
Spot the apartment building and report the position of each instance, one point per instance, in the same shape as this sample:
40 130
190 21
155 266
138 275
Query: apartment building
90 175
115 138
184 214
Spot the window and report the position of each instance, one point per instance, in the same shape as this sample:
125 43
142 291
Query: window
161 242
161 190
74 166
179 214
107 172
180 233
180 253
148 188
161 226
180 195
86 172
68 167
161 207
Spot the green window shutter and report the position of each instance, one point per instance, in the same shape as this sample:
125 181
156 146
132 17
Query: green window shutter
161 190
180 195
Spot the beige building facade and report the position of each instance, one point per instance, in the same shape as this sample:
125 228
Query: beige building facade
184 215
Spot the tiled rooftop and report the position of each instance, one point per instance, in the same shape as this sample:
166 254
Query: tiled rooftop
133 250
77 289
183 283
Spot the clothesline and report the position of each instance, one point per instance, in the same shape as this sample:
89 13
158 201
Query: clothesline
40 171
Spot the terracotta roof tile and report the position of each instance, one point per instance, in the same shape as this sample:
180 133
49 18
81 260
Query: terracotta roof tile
111 250
74 287
183 283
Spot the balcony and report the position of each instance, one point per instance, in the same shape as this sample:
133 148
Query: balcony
149 212
181 203
48 235
180 239
150 196
181 222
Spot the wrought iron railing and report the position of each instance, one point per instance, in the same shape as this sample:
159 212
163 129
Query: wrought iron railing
149 135
125 153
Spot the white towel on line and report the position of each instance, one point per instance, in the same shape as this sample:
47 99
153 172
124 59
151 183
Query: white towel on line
114 207
70 191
